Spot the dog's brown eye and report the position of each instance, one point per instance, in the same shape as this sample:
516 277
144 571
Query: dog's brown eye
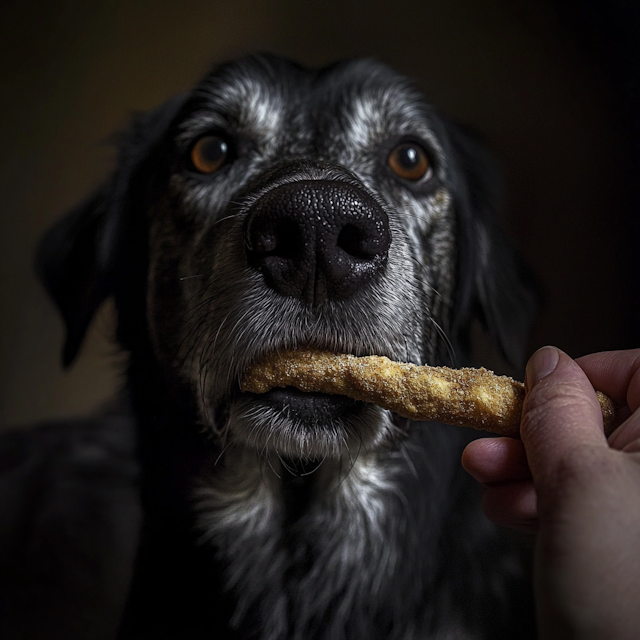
409 161
208 154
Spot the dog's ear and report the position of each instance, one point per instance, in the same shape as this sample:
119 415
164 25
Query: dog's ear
494 283
80 258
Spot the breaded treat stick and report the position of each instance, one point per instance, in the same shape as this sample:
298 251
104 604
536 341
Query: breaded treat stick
474 398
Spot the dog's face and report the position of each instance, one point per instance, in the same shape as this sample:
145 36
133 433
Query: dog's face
300 209
277 207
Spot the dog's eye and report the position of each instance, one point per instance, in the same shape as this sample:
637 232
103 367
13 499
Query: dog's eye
209 154
410 162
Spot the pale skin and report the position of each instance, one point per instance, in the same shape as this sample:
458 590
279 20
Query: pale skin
578 491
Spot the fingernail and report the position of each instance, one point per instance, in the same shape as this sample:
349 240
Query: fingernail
542 363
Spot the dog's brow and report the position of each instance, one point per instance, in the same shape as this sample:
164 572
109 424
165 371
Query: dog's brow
375 114
245 101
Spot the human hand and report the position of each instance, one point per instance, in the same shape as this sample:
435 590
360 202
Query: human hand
581 493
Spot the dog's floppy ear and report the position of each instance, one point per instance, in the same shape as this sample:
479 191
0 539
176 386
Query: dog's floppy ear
80 257
494 284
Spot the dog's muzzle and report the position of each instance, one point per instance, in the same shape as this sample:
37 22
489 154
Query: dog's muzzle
317 239
320 240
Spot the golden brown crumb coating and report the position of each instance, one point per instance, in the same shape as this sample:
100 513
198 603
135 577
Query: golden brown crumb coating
474 398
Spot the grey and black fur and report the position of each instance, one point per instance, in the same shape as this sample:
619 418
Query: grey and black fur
290 516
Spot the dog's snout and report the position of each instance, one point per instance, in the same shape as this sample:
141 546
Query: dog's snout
317 239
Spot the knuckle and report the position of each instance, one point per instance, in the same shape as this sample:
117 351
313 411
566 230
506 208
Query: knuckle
549 404
582 478
584 465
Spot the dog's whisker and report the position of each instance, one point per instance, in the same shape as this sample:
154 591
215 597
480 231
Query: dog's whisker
229 217
308 473
194 335
215 339
268 459
290 470
192 310
266 454
449 346
208 353
352 463
404 452
222 452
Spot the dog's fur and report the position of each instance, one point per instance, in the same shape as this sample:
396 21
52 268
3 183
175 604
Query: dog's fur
283 516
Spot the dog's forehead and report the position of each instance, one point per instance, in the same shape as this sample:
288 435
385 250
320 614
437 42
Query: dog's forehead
360 101
243 95
374 103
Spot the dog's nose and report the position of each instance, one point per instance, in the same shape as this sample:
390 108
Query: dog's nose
317 239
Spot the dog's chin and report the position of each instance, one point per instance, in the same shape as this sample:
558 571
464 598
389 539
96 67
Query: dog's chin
307 426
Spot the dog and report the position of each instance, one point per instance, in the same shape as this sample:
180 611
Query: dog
272 207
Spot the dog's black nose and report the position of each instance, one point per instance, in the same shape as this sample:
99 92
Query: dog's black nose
317 239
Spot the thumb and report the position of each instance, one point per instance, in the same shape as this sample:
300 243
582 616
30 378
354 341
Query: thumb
561 415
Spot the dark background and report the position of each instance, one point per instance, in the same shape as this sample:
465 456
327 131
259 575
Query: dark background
552 87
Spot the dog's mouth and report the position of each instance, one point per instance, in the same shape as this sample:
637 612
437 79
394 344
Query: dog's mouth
307 425
309 407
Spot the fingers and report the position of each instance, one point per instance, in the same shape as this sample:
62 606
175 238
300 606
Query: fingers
627 436
512 505
561 416
500 464
616 373
496 460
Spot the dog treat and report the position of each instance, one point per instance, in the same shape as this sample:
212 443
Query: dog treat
474 398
